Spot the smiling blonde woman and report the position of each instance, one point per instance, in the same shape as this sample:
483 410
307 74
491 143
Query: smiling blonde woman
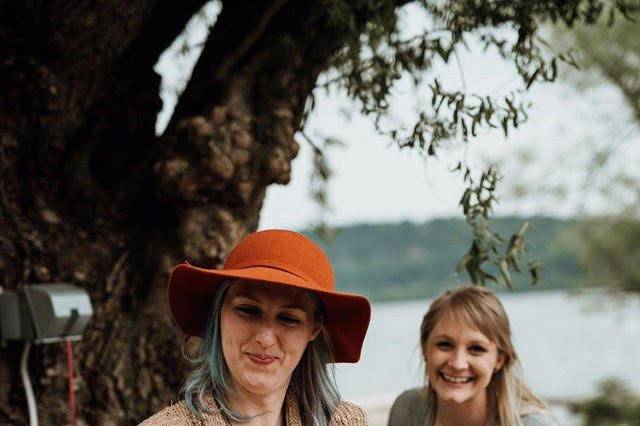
472 370
273 325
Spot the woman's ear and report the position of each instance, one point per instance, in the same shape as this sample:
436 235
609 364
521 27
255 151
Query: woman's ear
500 361
317 328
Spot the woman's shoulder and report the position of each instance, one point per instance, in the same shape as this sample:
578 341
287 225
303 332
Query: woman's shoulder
409 408
179 415
175 414
411 398
540 418
348 414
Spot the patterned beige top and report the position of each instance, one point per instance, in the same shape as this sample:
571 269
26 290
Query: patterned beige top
347 414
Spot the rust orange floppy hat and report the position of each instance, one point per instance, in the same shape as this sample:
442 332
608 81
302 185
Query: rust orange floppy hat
277 257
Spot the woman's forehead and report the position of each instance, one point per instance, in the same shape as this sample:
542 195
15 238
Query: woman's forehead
273 293
458 323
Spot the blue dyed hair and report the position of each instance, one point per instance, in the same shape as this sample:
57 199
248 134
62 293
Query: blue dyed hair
312 383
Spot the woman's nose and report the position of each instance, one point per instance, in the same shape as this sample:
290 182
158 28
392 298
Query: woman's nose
458 360
266 335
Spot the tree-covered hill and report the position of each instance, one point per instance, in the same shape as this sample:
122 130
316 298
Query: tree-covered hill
408 260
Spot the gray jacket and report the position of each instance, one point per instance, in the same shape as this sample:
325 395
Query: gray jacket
411 409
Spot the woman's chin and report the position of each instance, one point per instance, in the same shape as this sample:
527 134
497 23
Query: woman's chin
453 396
259 385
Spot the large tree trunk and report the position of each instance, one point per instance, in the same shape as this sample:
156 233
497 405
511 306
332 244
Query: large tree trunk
89 195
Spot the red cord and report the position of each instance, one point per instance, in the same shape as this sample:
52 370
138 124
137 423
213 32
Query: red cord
72 394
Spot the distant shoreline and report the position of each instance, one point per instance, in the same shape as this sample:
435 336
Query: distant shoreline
503 292
506 292
406 260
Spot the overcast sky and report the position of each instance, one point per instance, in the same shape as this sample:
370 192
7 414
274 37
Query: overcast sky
374 181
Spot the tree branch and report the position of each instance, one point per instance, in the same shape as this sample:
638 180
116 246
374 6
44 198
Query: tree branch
237 29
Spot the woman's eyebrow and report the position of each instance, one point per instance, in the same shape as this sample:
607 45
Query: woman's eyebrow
255 299
443 336
246 296
478 342
294 306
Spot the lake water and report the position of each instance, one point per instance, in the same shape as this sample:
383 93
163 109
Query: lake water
566 344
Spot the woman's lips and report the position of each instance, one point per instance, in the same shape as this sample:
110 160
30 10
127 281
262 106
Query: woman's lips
453 380
262 359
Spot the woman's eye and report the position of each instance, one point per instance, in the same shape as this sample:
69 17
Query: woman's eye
248 311
444 345
478 349
289 320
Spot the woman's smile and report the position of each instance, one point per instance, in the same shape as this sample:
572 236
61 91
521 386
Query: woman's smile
455 380
262 359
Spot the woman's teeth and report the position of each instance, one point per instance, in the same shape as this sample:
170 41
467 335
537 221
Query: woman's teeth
454 379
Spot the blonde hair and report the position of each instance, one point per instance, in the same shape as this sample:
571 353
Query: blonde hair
479 308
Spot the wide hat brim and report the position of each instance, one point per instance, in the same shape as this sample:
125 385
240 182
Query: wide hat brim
191 289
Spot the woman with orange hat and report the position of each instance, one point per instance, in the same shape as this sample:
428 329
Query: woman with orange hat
272 324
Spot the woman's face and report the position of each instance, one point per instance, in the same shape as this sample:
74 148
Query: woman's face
460 361
265 330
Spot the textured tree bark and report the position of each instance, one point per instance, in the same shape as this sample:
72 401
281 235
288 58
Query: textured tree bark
89 195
